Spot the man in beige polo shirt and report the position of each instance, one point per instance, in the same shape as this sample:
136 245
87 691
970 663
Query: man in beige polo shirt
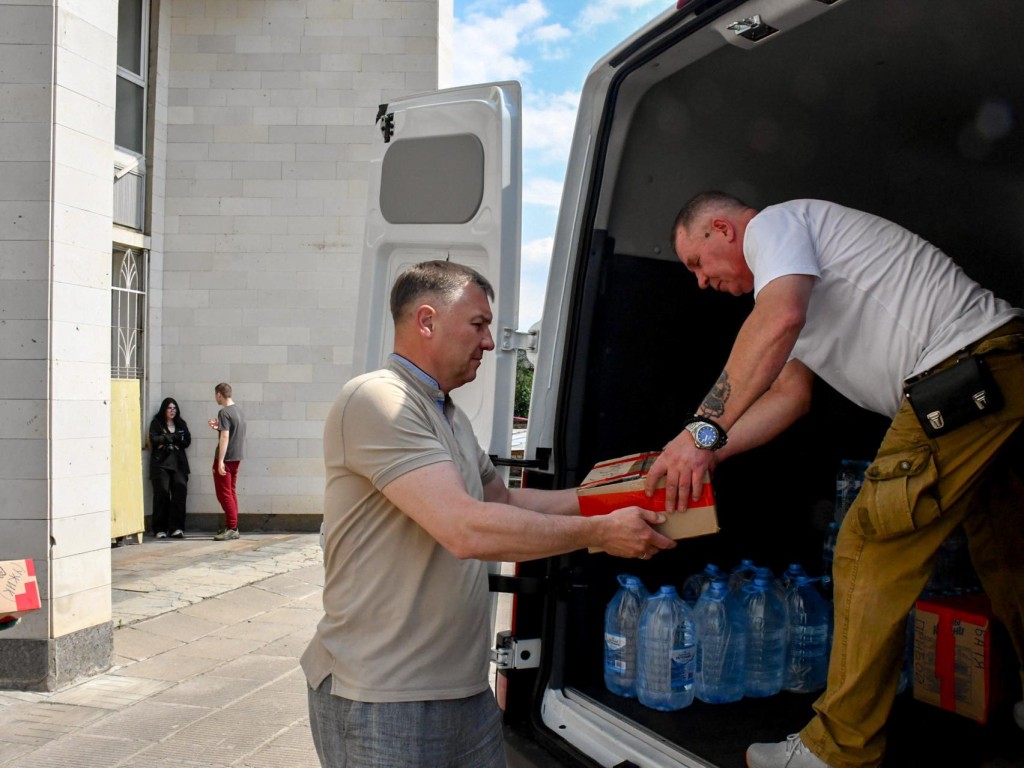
397 670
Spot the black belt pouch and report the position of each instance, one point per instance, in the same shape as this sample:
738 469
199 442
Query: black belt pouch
954 396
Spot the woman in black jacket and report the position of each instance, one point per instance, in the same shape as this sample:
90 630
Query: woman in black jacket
168 469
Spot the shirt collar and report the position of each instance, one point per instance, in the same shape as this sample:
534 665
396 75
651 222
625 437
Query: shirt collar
426 378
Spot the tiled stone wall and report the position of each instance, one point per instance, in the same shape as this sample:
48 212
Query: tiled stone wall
269 117
56 158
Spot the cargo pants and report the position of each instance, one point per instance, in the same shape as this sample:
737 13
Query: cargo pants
916 491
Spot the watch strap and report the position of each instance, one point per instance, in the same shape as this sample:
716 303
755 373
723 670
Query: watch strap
723 438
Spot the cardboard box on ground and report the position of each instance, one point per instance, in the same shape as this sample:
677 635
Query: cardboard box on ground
618 483
956 662
19 593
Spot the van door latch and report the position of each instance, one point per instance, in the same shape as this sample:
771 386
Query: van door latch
752 28
510 653
386 120
512 339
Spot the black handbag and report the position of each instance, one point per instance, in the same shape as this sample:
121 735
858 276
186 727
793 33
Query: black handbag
953 396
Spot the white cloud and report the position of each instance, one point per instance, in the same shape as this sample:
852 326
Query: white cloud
536 260
537 253
545 192
548 122
602 12
551 33
485 47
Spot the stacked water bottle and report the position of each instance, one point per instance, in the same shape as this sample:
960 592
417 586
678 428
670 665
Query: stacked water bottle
735 634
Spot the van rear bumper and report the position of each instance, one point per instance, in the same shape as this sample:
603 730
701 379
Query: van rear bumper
523 751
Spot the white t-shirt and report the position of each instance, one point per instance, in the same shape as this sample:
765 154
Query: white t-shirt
887 304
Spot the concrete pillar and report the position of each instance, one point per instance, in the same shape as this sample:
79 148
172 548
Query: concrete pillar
57 94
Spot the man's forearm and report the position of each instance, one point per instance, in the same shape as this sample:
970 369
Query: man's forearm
762 348
547 502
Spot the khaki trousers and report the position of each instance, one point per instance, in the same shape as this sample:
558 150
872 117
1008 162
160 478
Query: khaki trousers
915 493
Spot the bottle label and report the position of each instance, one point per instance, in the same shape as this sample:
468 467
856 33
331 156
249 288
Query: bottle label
614 642
684 660
617 666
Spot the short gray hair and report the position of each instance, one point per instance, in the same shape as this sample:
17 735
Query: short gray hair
702 204
443 279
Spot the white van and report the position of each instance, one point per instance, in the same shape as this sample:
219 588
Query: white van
909 109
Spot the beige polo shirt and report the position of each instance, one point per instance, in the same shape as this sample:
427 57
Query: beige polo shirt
404 619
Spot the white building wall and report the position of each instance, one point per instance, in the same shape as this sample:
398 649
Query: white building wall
56 157
270 108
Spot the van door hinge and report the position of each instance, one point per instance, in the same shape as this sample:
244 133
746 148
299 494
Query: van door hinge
512 339
386 120
511 653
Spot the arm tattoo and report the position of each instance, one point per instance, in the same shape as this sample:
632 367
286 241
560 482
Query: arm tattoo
714 403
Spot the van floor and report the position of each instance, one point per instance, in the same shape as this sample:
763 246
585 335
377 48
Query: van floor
919 735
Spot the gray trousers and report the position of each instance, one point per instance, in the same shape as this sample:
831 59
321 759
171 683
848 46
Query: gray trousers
459 733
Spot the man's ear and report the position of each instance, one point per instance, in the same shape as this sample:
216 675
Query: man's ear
723 227
425 316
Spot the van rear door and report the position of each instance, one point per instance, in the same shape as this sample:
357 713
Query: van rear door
445 182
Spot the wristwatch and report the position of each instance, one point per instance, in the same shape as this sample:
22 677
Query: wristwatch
707 435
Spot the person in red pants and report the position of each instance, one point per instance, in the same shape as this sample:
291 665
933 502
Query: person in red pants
230 426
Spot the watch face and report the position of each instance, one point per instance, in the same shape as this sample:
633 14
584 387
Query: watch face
706 435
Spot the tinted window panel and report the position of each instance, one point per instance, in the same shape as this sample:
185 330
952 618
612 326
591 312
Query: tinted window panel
128 118
438 180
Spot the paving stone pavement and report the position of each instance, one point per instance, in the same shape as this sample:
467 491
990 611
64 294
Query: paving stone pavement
207 637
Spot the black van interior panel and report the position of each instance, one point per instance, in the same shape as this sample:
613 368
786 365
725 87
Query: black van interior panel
894 108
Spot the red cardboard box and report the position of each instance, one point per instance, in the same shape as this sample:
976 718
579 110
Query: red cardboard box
953 661
19 593
618 483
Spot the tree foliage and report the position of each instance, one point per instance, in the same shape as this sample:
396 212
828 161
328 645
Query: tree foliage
524 385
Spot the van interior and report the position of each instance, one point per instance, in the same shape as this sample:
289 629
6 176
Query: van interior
912 111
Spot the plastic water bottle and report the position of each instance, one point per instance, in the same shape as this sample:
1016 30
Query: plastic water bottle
742 575
767 626
621 620
790 575
720 674
849 479
696 583
808 649
666 652
828 556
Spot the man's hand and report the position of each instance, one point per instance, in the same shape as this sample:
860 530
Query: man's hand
627 532
684 467
220 469
212 423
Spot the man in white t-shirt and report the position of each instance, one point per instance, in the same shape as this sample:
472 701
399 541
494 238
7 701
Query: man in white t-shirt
865 305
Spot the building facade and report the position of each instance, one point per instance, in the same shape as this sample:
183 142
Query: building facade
182 187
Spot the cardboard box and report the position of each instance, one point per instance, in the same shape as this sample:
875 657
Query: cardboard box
618 483
953 661
19 593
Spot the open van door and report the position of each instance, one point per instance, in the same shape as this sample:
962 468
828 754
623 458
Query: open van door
445 182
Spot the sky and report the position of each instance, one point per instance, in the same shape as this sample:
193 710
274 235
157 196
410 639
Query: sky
549 46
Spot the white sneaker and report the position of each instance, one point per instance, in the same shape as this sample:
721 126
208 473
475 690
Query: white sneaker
791 753
161 535
1018 714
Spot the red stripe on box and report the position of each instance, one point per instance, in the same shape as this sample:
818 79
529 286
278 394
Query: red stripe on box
602 504
28 599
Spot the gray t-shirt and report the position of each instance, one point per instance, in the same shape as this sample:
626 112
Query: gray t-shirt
230 419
